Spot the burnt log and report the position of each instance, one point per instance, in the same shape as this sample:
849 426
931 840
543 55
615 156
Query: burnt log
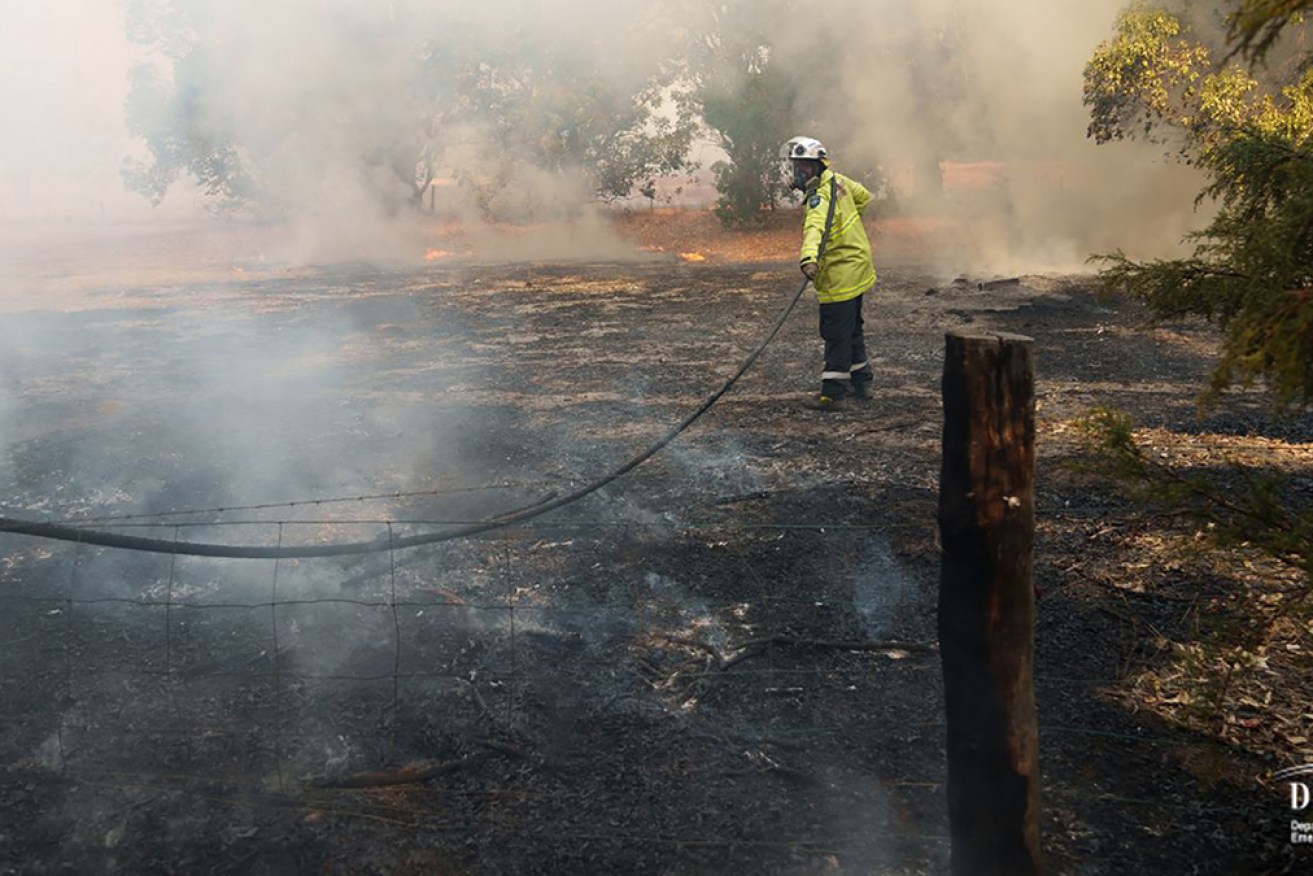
987 603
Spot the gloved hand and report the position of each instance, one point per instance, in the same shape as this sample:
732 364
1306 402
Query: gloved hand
809 270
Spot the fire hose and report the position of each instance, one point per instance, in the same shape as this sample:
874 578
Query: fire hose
388 541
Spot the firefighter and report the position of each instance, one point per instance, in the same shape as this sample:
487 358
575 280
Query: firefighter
841 275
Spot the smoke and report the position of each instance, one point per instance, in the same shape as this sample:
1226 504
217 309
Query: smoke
320 94
339 114
332 105
63 77
995 85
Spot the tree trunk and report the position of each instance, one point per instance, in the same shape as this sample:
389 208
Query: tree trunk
987 604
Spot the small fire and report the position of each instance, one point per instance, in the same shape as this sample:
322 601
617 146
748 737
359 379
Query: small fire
432 255
692 257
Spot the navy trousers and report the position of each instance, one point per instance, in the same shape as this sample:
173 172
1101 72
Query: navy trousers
846 367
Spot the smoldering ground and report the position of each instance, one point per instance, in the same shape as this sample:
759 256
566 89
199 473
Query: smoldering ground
652 757
232 393
234 403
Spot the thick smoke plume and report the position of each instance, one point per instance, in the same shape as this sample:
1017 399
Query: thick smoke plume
993 86
329 106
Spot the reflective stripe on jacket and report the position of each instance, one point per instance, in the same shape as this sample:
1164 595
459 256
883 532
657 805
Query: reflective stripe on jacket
847 270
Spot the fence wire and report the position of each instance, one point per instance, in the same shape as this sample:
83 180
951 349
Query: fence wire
315 679
326 668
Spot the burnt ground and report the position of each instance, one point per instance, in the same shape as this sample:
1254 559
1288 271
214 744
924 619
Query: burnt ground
577 685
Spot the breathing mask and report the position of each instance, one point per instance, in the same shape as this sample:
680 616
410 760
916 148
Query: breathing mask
803 171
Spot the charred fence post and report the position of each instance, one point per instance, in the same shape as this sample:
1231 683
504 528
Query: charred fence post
987 603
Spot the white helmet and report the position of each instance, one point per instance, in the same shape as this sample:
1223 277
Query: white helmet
805 147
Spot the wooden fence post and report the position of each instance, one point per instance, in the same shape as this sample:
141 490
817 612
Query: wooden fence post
987 603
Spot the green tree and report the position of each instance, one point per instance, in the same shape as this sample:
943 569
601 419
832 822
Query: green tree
751 114
745 93
1248 126
1251 270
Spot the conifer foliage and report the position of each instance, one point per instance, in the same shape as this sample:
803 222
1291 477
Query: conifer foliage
1242 111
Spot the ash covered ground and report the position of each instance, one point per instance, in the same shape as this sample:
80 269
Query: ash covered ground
652 680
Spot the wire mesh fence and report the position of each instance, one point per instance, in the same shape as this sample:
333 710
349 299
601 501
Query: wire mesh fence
568 647
610 668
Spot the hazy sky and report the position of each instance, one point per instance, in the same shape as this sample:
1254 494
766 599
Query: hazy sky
63 78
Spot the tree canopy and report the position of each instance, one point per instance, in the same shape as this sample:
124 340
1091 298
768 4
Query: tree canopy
746 97
1249 130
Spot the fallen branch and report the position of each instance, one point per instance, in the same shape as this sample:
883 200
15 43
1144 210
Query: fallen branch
480 703
507 727
451 598
506 748
696 644
755 647
410 774
746 497
995 284
419 771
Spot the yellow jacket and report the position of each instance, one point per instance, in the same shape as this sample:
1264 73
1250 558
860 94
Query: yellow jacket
847 270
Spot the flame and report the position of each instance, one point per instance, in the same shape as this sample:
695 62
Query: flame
692 257
432 255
